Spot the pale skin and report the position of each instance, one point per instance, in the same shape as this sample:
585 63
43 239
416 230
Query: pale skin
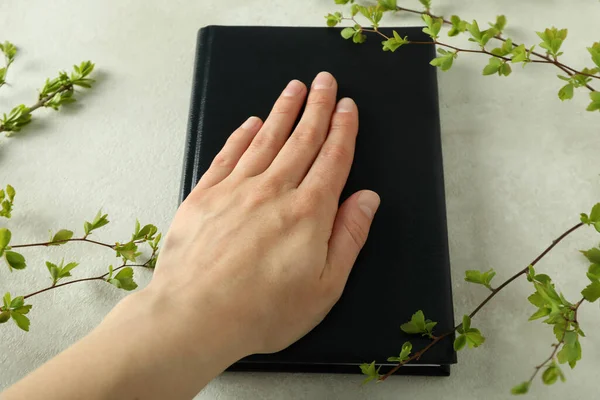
255 258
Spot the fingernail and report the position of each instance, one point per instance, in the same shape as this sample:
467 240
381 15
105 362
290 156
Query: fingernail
293 88
345 105
369 203
250 123
323 81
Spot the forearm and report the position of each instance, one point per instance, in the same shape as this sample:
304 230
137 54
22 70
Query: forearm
140 351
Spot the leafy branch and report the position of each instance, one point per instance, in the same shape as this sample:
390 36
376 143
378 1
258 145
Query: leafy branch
501 58
10 51
120 277
54 94
551 305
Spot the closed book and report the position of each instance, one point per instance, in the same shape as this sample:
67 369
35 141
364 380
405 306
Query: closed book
404 266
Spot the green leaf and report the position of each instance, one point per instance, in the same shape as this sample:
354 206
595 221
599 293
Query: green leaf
61 237
128 251
16 119
500 23
566 92
426 4
17 302
493 66
21 320
5 236
521 388
478 36
593 255
541 313
9 50
341 1
537 300
416 324
10 191
99 221
595 104
595 214
505 69
460 342
466 323
359 38
370 371
54 271
433 26
584 219
347 33
481 278
333 19
592 292
124 279
445 61
4 316
65 271
506 49
552 40
474 337
595 53
388 5
6 300
458 26
594 272
571 350
551 374
14 260
597 226
147 232
521 54
404 353
393 43
23 310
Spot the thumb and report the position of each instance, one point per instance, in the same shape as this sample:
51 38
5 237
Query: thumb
349 234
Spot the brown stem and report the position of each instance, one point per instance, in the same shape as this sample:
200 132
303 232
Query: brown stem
546 59
83 239
418 354
95 278
42 102
556 346
111 246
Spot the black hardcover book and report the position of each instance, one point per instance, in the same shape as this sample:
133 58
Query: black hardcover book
404 266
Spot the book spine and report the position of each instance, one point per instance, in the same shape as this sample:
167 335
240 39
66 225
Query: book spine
196 113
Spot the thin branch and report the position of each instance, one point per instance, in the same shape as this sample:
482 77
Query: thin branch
556 346
95 278
546 59
44 100
82 239
418 354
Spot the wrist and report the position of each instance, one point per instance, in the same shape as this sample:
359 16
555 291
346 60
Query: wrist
198 335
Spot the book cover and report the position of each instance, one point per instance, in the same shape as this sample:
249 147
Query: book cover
404 266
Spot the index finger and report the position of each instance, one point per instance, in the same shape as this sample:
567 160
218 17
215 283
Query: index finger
330 169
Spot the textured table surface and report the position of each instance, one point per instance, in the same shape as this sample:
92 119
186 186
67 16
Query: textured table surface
519 168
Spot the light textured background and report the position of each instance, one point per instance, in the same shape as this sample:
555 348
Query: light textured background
519 168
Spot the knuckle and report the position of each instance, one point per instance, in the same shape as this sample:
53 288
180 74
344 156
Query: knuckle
308 136
318 99
282 107
336 153
222 160
304 205
357 231
265 191
341 121
264 141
